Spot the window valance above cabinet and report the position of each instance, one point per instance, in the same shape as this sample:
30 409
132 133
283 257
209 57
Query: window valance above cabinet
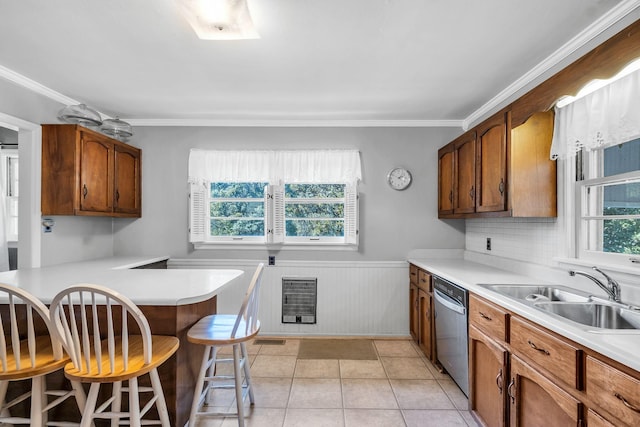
608 116
297 166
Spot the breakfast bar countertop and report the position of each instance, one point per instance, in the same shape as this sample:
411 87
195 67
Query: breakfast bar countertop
143 286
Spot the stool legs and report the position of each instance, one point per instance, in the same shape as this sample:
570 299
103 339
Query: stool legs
161 403
237 373
206 378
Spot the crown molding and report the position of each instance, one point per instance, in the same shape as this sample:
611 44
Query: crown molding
293 123
34 86
602 24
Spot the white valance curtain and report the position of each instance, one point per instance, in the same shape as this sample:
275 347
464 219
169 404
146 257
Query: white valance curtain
609 116
299 166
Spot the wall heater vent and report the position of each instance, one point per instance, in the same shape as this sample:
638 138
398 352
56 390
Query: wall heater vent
299 299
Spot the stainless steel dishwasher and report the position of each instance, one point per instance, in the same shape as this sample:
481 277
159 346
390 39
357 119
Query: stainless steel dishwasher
451 330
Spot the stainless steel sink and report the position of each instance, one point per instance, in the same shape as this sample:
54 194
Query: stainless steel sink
535 293
594 314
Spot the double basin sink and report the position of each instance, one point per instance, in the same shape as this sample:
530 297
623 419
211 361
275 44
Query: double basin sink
589 311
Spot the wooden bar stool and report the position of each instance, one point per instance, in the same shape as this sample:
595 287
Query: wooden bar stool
219 330
102 351
26 353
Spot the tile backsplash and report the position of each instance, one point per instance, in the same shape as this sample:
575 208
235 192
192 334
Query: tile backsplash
534 240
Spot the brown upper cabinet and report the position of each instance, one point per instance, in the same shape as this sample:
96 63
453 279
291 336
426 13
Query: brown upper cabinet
87 173
491 172
445 179
500 170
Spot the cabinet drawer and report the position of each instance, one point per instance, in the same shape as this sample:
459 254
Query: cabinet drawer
615 391
489 318
424 281
556 356
413 274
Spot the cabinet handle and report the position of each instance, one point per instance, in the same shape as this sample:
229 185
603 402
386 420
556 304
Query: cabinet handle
84 191
501 186
541 350
451 196
499 382
484 316
512 385
472 192
117 195
626 403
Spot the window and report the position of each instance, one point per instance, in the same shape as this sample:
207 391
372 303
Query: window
609 201
601 126
284 198
9 169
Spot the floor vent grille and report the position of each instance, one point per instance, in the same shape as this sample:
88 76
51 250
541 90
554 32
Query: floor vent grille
299 299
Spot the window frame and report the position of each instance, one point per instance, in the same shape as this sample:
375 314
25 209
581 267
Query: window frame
275 232
5 155
589 164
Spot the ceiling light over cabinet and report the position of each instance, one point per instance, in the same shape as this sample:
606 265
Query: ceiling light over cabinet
219 19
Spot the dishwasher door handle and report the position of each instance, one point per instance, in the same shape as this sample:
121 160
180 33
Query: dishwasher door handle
448 303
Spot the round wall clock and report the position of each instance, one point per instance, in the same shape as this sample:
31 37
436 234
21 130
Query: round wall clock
399 178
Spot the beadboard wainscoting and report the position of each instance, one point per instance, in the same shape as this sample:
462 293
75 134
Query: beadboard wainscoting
354 298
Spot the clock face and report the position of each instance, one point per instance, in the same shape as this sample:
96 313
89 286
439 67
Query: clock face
399 178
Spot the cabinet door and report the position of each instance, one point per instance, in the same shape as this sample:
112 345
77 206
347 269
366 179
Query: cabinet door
414 317
425 313
536 401
488 374
465 174
491 185
96 174
596 420
445 180
127 180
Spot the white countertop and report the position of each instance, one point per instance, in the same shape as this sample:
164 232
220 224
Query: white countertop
142 286
620 345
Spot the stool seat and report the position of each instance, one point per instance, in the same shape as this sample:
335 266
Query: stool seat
162 348
45 361
217 329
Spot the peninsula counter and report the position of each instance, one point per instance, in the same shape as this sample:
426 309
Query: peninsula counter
172 300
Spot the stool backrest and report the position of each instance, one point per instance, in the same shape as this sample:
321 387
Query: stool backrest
247 319
95 320
23 316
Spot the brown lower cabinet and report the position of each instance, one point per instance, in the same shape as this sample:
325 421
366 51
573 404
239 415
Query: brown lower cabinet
521 374
534 400
421 325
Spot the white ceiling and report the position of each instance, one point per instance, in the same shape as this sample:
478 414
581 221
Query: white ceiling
381 60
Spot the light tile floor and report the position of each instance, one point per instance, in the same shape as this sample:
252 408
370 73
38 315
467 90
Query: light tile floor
402 388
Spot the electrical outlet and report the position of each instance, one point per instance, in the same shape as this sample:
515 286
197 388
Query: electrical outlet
272 260
488 243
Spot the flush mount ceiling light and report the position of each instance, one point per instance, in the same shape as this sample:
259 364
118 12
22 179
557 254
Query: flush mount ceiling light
219 19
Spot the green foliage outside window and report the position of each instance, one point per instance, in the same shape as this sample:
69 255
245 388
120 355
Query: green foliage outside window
311 210
621 235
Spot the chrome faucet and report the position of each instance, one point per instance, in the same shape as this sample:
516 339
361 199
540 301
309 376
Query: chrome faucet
612 288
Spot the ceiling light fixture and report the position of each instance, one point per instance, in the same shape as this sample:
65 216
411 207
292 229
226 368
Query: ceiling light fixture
219 19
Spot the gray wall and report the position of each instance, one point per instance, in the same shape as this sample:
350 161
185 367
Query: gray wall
392 223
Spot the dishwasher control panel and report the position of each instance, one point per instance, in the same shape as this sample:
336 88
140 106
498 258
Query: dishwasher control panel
449 289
